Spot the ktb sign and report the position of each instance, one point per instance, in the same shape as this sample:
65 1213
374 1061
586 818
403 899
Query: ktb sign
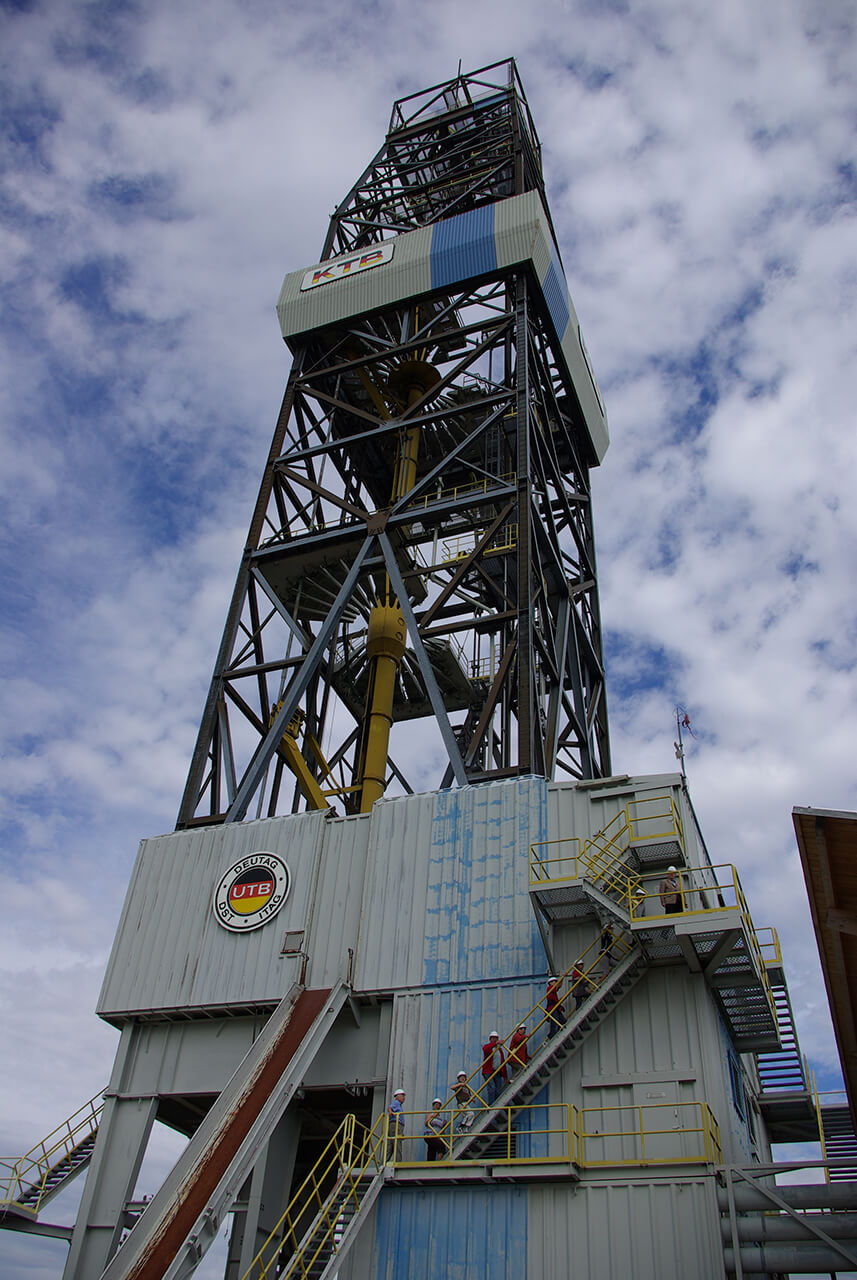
349 265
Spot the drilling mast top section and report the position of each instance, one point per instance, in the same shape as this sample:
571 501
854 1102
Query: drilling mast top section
450 149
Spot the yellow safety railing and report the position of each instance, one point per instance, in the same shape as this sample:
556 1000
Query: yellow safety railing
577 983
313 1218
653 1133
30 1171
833 1097
469 489
655 818
598 860
769 945
556 1122
705 891
505 539
589 1137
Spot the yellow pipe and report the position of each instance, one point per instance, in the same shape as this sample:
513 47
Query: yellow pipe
385 648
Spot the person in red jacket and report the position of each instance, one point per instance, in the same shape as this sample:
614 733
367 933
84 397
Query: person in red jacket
518 1053
493 1068
553 1007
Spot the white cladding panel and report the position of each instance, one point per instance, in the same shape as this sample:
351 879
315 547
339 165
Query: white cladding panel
645 1229
426 889
584 811
407 273
171 953
641 1229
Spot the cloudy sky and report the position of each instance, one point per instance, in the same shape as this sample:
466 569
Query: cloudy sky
163 165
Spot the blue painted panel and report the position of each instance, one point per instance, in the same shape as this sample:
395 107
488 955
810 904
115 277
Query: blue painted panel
479 923
451 1233
556 295
463 247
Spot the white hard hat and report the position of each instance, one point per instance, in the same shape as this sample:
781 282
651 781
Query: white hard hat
437 1101
494 1035
670 868
462 1073
398 1093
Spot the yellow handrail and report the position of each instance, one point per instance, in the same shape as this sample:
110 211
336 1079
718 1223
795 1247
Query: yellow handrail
695 1127
582 977
320 1200
561 1123
635 1129
31 1169
769 945
705 891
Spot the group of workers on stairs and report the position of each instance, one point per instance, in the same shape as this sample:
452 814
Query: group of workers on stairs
499 1066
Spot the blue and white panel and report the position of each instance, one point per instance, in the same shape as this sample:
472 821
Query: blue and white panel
470 246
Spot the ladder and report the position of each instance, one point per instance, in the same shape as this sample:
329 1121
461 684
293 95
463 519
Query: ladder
783 1070
839 1141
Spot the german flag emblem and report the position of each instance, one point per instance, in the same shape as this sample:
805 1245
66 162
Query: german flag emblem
251 892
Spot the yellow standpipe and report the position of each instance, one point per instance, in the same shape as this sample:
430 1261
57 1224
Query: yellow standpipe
385 649
385 646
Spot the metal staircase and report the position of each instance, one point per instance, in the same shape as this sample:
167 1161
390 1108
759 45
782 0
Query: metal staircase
560 1044
785 1099
35 1178
839 1142
325 1214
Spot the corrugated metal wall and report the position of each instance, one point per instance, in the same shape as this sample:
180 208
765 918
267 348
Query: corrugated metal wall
642 1229
425 890
442 1234
634 1229
446 896
169 950
438 1033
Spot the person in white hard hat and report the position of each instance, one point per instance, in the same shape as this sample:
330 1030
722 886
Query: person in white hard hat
463 1097
436 1148
519 1054
395 1125
669 891
493 1068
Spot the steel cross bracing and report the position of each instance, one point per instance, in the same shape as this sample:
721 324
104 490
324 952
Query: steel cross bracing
429 455
461 144
492 541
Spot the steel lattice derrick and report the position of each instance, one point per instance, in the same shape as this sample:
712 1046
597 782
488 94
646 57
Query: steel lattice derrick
488 550
450 149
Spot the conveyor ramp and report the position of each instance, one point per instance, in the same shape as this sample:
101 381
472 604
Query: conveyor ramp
184 1216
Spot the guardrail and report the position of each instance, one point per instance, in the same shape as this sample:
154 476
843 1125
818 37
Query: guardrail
600 857
582 977
315 1214
653 1133
561 1133
550 1126
29 1172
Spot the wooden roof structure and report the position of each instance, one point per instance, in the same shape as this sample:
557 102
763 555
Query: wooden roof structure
827 841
